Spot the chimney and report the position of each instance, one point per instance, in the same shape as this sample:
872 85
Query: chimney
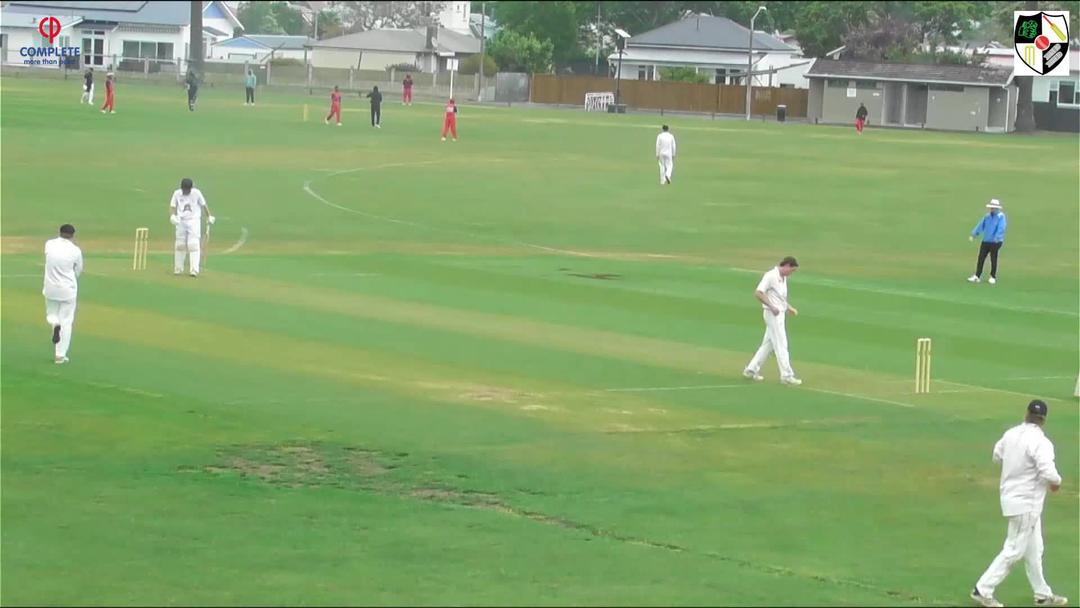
432 36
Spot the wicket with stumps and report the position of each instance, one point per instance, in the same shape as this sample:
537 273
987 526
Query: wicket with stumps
142 247
922 366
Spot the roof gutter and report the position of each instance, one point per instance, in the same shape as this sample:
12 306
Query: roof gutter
883 78
630 45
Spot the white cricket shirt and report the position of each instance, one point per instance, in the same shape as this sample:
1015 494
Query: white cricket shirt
63 264
188 206
774 286
665 144
1027 468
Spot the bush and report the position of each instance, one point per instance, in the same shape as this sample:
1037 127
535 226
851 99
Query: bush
471 65
683 75
403 67
285 61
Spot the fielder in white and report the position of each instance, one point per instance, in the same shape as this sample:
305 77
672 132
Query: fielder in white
772 292
63 265
665 154
1027 470
185 212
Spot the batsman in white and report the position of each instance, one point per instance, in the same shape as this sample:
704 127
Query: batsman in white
63 265
665 154
772 292
185 212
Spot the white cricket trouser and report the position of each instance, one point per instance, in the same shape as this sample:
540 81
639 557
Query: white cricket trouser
88 96
62 313
667 165
187 244
775 341
1024 540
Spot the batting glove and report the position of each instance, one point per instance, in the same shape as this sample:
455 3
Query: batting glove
174 220
211 219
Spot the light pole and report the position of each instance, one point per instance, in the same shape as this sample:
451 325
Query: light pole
483 50
623 36
750 60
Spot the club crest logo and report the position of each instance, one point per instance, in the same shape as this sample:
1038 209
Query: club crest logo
1042 43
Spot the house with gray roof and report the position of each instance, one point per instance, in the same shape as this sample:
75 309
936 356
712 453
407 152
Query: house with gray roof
715 46
426 48
114 34
258 48
947 97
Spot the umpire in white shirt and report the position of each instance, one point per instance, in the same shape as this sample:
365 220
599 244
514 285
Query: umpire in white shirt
63 265
1027 470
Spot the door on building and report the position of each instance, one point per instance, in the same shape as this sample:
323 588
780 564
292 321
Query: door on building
915 112
999 110
93 48
892 112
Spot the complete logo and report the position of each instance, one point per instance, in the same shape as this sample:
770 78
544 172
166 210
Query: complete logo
1042 43
49 27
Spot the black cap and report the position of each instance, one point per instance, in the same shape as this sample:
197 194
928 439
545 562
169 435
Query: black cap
185 184
1037 407
67 230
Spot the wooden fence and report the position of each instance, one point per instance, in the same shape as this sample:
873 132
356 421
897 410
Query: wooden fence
672 96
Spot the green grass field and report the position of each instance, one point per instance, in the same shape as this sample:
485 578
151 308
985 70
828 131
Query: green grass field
506 370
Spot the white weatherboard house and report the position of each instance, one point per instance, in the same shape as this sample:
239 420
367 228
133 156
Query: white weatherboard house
426 48
261 48
715 46
112 35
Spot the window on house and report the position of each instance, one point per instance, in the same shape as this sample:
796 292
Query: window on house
837 83
864 85
1067 93
645 72
951 88
135 49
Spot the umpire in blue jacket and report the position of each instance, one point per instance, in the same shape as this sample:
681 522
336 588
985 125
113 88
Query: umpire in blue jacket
992 229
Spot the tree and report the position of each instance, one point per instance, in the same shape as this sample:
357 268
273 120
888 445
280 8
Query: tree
471 65
195 43
823 26
330 24
289 18
939 21
259 18
886 38
521 52
364 16
556 21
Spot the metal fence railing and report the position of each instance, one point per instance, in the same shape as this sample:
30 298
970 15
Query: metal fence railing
296 76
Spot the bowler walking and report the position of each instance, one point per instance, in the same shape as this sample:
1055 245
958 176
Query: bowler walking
772 292
992 228
63 265
665 154
1026 457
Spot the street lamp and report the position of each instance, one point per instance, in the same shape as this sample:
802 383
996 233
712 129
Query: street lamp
750 60
623 36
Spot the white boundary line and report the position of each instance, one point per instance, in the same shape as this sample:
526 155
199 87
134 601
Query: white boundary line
700 387
855 396
238 244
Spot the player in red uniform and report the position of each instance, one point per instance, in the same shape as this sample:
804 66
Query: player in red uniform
335 106
110 98
406 90
450 122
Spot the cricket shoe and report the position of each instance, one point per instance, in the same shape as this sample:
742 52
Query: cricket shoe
792 381
973 279
756 377
1052 600
63 360
444 139
194 275
988 601
991 280
56 334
